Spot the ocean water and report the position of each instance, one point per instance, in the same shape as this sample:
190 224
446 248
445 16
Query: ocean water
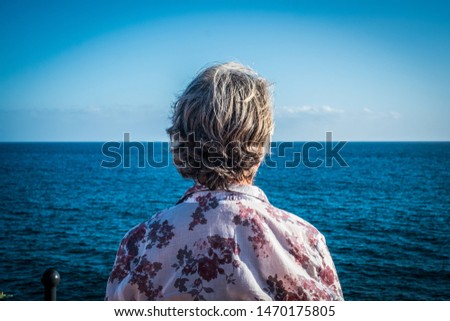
386 216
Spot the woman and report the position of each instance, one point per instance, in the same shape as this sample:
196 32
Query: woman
223 240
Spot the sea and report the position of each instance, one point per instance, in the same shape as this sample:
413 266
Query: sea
384 208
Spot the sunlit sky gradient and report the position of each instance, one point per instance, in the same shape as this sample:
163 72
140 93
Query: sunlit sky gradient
92 70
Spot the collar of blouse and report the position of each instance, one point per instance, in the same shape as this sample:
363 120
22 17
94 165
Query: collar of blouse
233 192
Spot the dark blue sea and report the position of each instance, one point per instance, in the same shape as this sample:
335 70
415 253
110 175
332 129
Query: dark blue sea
386 216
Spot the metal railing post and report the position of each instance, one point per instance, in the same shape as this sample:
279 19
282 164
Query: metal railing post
50 279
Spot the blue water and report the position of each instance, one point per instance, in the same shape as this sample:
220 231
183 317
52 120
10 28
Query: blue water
386 216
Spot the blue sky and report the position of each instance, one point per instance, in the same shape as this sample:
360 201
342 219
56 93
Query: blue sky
92 70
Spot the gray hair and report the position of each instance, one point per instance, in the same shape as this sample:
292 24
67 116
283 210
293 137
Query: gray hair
221 126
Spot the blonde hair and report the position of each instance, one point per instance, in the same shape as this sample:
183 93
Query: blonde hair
222 125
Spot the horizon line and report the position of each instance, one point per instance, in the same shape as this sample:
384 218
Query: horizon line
275 141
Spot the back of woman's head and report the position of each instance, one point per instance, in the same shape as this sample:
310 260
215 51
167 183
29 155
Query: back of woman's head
221 126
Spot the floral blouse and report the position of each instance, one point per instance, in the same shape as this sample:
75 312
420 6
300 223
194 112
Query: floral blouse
223 245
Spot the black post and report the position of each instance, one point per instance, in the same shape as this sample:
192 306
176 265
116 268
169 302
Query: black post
50 279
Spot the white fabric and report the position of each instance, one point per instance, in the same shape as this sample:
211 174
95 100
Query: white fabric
224 245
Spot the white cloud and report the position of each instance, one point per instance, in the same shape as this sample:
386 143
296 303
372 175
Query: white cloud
395 114
328 109
313 110
381 114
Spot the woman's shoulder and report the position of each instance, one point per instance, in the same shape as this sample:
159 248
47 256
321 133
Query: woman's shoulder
289 221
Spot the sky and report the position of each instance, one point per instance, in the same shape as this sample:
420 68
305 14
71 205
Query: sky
93 70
